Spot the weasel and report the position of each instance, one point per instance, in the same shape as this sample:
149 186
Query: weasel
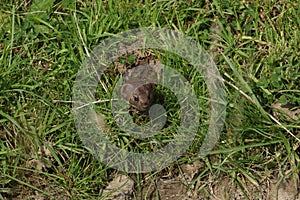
139 86
138 94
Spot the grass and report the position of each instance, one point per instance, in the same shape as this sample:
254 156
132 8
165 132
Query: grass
44 43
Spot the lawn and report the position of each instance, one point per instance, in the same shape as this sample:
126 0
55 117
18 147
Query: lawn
255 46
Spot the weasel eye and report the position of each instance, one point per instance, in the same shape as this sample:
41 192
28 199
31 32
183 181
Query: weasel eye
149 97
136 99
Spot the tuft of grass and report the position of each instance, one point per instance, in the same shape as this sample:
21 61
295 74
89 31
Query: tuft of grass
255 45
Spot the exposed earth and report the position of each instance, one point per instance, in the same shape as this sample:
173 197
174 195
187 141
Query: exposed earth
185 186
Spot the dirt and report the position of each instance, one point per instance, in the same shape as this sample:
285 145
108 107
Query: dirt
184 185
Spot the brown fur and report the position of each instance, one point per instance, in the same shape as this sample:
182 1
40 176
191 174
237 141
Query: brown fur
138 94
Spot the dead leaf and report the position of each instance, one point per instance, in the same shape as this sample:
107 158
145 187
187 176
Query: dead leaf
120 188
287 112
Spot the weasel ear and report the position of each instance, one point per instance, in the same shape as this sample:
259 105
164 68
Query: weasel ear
150 86
127 90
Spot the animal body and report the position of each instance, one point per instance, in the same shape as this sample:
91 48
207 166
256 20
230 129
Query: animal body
139 86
